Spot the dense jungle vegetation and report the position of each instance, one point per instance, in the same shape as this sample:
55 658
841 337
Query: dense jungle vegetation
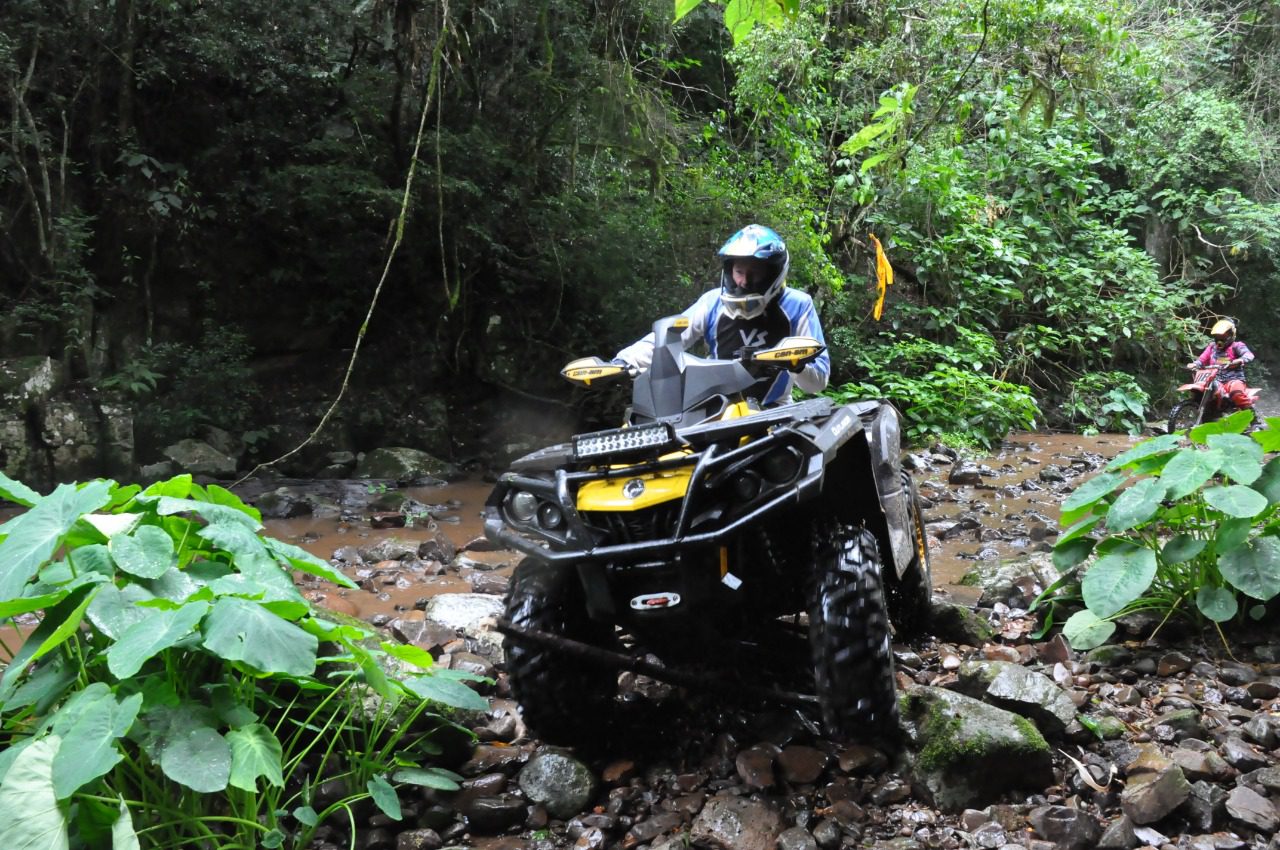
1067 190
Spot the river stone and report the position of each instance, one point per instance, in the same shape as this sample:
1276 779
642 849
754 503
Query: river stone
737 823
558 781
1118 835
402 464
1155 787
1015 688
958 624
970 753
200 458
1067 828
796 838
282 503
1205 806
1251 808
1201 765
494 815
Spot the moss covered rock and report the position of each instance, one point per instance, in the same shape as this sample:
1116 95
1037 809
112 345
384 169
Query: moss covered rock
967 754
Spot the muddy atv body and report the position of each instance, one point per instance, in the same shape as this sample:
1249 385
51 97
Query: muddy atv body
713 535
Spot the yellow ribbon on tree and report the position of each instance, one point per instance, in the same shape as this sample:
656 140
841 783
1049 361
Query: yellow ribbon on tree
884 277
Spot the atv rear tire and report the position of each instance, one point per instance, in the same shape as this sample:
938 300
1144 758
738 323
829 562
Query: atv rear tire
910 595
563 698
849 639
1183 416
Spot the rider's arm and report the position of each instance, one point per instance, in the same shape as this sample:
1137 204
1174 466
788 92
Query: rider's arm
1242 353
640 353
804 322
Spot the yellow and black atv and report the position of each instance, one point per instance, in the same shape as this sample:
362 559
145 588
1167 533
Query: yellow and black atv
712 534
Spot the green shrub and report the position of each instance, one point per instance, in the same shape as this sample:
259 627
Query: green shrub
1105 401
176 679
1179 530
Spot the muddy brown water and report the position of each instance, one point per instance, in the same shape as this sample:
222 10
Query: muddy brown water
1013 517
1015 511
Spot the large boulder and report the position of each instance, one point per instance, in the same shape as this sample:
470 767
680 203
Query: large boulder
200 458
968 754
558 781
1015 688
402 464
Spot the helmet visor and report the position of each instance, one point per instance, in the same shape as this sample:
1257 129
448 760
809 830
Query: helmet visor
748 276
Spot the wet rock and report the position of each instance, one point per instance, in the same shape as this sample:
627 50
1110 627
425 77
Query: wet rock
200 458
591 839
438 548
1241 755
1201 765
827 834
1185 723
1067 828
862 760
419 839
964 475
1205 806
471 613
1260 731
1022 691
969 753
558 781
796 838
802 765
1118 835
283 503
1172 663
1109 655
1156 786
402 464
1251 808
989 836
494 815
755 766
950 622
650 828
487 758
489 584
737 823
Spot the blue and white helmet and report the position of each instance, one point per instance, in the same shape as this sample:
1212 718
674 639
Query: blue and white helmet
753 242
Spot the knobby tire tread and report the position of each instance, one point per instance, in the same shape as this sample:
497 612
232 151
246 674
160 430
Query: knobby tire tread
849 638
1179 413
563 698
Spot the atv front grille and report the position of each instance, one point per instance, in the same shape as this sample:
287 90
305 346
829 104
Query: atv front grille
619 527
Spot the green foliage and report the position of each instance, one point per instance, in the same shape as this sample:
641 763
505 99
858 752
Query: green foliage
1105 401
176 679
943 389
1178 530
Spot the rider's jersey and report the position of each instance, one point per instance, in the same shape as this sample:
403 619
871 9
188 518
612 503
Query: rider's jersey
791 314
1235 351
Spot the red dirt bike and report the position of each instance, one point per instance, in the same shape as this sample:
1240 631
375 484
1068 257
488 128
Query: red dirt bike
1206 401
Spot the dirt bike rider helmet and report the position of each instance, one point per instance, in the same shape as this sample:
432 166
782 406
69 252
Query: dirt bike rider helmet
1223 332
763 249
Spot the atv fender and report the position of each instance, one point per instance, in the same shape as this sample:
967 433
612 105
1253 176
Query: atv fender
873 451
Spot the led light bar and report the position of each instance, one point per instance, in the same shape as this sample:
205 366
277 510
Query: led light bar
620 440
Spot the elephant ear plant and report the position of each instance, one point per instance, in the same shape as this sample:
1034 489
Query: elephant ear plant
180 692
1174 528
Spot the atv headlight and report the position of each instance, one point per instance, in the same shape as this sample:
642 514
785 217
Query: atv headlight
621 440
522 505
781 465
550 516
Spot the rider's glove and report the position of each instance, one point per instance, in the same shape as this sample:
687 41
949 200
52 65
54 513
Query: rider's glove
631 370
1193 364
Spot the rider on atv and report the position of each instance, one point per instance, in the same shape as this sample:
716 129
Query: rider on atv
1230 355
753 308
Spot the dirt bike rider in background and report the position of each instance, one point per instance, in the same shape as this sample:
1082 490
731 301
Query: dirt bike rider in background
753 308
1230 354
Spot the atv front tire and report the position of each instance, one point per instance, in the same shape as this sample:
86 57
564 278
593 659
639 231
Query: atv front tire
1185 414
849 639
910 595
563 698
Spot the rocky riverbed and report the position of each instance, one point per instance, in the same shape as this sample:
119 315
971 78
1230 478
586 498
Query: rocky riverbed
1009 742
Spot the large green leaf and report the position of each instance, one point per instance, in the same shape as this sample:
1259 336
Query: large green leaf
94 558
1136 505
303 561
255 751
45 686
1232 534
1117 579
146 553
115 609
1236 423
1079 529
1091 491
446 692
1163 444
32 819
199 758
1182 548
27 604
59 623
214 513
1269 438
1217 603
239 630
1254 570
1189 470
17 492
1242 456
34 540
165 719
144 639
1084 630
1236 500
123 836
1068 553
222 496
1268 484
89 734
